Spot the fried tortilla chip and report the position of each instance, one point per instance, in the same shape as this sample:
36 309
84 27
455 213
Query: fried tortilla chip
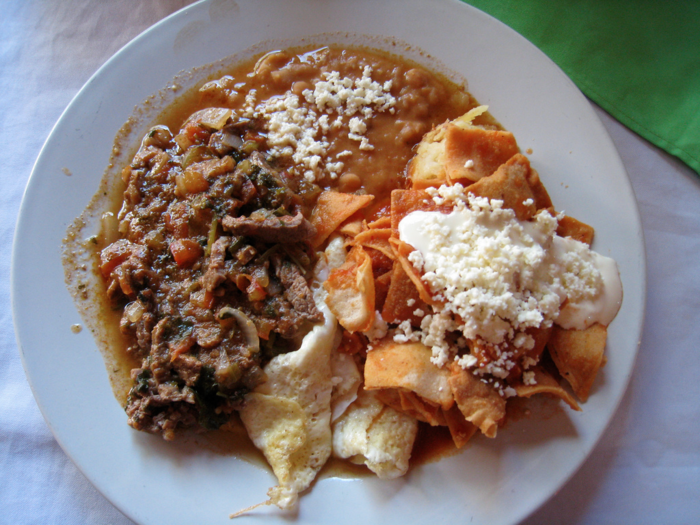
510 184
544 383
390 397
474 153
461 430
402 293
577 230
331 210
578 355
351 291
407 366
381 290
404 202
351 343
428 412
407 406
288 416
479 402
542 199
382 222
412 405
402 251
351 227
377 239
427 167
375 435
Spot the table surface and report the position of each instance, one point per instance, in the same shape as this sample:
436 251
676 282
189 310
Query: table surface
646 468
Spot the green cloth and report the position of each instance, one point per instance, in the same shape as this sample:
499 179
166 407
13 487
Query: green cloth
638 59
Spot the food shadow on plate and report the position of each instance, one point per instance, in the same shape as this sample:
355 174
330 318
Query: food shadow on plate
533 422
232 442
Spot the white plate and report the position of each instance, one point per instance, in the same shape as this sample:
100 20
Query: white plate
493 481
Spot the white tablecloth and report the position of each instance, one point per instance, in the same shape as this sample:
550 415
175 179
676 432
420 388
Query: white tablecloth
646 469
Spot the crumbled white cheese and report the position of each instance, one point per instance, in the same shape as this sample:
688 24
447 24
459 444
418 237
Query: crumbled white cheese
469 164
529 378
296 126
404 333
528 362
523 340
378 329
466 361
509 391
411 302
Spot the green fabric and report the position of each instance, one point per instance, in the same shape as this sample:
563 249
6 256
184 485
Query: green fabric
638 59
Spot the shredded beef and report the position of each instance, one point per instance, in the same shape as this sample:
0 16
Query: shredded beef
176 269
216 274
297 290
272 229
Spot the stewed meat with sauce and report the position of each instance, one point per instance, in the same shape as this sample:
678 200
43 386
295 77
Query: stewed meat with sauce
207 229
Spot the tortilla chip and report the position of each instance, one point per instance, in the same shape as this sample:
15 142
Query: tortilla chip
382 222
381 290
461 430
377 239
510 184
542 199
402 251
577 230
407 366
390 397
332 209
351 291
412 405
408 407
479 402
545 384
351 227
404 202
427 167
381 264
474 153
402 291
431 414
578 355
540 337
